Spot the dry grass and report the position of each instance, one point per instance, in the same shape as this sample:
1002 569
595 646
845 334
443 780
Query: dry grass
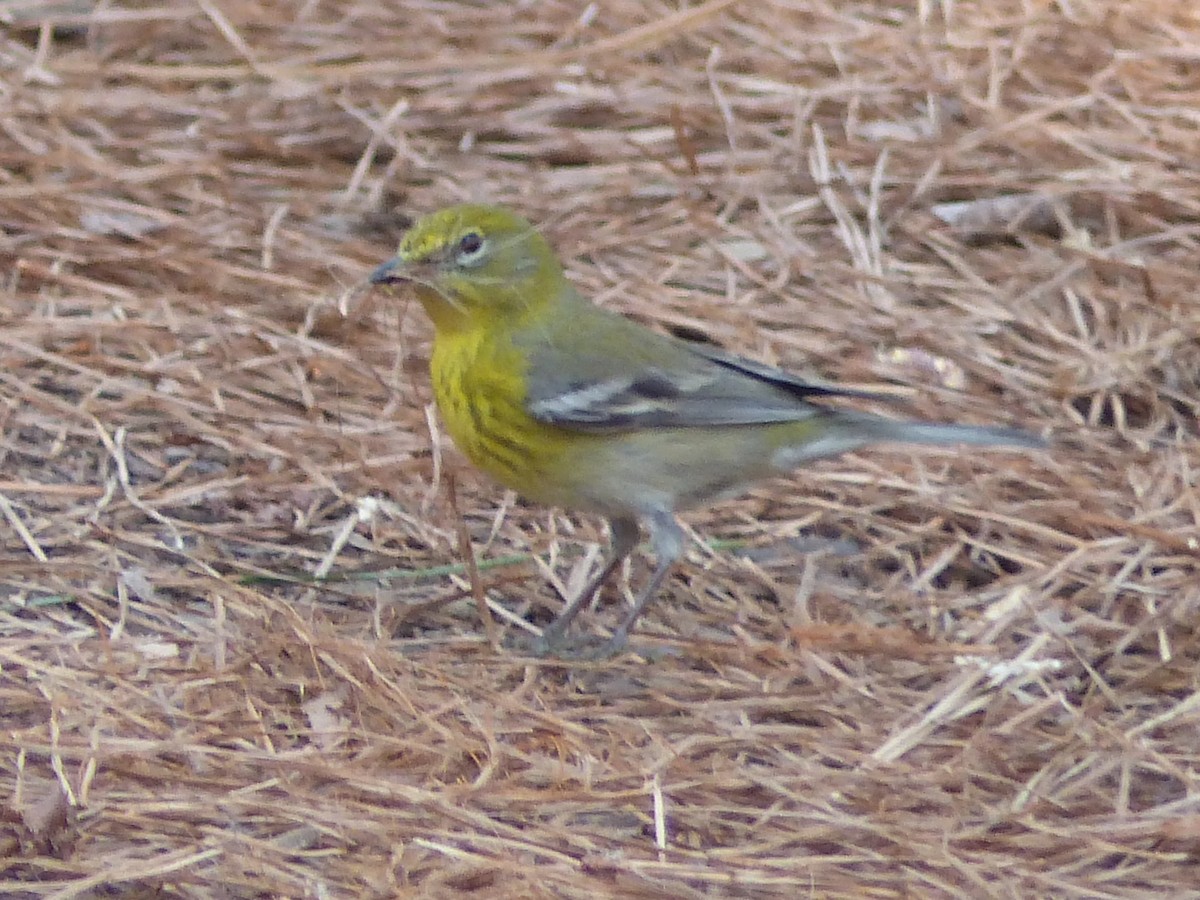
983 682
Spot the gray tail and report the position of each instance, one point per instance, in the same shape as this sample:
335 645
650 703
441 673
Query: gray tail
941 434
844 430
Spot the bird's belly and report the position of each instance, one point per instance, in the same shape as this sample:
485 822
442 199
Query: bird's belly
671 468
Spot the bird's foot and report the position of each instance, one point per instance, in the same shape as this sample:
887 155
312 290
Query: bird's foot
552 643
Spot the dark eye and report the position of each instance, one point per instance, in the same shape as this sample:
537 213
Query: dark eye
470 244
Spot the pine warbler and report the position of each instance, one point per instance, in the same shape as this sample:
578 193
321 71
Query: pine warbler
574 406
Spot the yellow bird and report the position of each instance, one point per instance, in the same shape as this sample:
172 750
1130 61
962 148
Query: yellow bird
575 406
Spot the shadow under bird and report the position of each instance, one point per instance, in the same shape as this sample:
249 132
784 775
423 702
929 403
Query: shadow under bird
575 406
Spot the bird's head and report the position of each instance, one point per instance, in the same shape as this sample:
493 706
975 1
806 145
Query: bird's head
474 264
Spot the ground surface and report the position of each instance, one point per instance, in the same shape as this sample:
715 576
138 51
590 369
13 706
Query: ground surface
897 674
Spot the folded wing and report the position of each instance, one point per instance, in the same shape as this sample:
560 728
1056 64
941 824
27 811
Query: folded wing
647 380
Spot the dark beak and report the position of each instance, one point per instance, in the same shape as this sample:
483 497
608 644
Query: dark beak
388 273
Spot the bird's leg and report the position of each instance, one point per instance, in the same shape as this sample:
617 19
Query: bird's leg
624 537
667 539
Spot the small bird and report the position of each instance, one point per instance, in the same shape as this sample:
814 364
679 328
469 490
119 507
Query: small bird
575 406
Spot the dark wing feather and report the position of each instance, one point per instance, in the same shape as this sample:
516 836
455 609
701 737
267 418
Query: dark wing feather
796 385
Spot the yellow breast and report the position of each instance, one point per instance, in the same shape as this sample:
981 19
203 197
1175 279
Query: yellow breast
479 383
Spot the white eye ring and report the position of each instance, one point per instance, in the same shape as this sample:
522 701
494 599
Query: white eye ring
471 247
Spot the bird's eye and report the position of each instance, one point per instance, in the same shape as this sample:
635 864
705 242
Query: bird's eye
470 244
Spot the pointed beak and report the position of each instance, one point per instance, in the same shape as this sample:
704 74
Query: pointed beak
391 272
